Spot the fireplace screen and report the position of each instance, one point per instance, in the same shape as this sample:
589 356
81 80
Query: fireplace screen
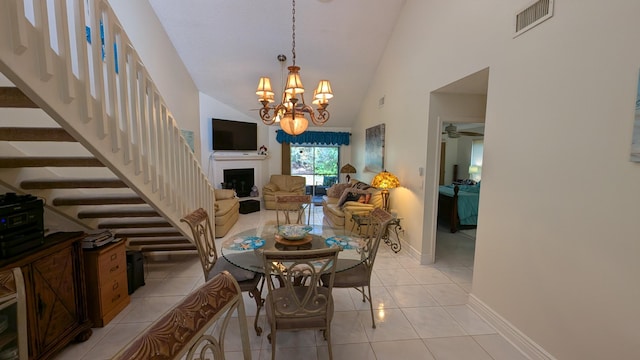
241 180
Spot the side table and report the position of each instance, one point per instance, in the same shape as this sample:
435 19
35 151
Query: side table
394 229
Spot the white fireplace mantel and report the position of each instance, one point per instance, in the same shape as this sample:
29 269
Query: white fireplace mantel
237 157
219 162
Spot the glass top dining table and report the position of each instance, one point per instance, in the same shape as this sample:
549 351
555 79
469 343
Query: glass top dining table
245 248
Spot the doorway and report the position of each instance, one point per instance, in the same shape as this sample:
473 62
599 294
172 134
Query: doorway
463 104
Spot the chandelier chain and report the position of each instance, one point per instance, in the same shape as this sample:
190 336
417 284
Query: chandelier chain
293 32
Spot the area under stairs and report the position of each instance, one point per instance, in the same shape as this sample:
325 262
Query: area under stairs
44 160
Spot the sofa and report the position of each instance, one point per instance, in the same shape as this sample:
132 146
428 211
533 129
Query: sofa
282 185
342 201
227 211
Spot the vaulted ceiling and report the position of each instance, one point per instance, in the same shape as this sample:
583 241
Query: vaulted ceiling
227 45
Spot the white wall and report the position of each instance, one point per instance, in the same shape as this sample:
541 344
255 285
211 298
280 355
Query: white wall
162 61
557 254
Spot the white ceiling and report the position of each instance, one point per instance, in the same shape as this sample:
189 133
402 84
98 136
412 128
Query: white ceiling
227 45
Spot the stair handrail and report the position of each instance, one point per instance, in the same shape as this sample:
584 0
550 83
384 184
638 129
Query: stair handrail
74 59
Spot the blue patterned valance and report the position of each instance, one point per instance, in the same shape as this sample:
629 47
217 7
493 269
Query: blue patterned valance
314 137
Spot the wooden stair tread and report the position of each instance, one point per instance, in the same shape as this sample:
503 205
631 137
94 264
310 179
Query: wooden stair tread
35 134
12 97
72 184
140 242
98 200
146 234
132 225
168 247
117 213
49 161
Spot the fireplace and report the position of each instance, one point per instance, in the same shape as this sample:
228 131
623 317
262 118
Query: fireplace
241 180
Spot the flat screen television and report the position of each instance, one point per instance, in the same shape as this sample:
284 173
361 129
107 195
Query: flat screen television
234 135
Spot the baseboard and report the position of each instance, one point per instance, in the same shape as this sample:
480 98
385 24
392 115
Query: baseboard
522 342
410 250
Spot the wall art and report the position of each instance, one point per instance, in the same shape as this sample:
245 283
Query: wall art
374 149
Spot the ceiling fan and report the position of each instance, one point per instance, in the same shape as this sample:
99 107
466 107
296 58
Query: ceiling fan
452 132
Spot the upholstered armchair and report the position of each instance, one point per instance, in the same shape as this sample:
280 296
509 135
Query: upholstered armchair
227 207
282 185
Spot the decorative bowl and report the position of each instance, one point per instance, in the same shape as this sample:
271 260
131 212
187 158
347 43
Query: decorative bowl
294 231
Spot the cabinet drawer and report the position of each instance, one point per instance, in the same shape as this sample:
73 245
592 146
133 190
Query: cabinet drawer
112 292
112 262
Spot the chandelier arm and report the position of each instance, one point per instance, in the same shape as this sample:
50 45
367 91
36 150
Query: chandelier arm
266 117
319 119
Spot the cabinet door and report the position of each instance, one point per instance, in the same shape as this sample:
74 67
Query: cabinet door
55 296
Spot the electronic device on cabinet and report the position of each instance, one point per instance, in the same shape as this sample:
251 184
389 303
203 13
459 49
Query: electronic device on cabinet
21 224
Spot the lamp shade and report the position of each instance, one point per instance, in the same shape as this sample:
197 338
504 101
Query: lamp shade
347 169
385 180
264 91
323 91
474 169
294 83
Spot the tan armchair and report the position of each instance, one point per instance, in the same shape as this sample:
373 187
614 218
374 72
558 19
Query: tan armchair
282 185
227 207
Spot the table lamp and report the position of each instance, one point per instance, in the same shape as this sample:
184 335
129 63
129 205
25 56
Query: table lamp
385 181
348 169
475 171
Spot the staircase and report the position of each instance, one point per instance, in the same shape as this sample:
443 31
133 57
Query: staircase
112 157
123 212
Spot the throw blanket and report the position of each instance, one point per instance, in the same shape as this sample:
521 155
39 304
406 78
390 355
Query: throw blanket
468 198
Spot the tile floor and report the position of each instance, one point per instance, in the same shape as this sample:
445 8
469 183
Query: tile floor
422 312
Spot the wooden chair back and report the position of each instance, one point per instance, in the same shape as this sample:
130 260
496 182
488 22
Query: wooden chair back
295 299
293 209
203 236
377 228
185 328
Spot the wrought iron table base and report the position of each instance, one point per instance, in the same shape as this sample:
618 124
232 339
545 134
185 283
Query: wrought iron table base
393 228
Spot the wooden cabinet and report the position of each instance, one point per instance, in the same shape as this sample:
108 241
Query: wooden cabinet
55 294
106 277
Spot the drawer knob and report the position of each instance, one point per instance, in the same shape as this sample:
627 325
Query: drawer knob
115 268
114 256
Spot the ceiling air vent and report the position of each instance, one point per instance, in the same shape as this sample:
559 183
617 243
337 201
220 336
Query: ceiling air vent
533 15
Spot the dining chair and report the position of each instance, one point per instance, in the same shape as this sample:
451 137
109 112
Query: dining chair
293 209
183 331
295 298
249 281
359 276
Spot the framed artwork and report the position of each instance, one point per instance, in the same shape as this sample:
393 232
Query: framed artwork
188 136
635 142
374 149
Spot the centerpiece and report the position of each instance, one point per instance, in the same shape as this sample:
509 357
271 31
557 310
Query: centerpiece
293 234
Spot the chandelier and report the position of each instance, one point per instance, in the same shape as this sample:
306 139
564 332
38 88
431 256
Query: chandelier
292 110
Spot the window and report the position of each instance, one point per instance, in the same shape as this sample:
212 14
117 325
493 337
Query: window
475 168
318 164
